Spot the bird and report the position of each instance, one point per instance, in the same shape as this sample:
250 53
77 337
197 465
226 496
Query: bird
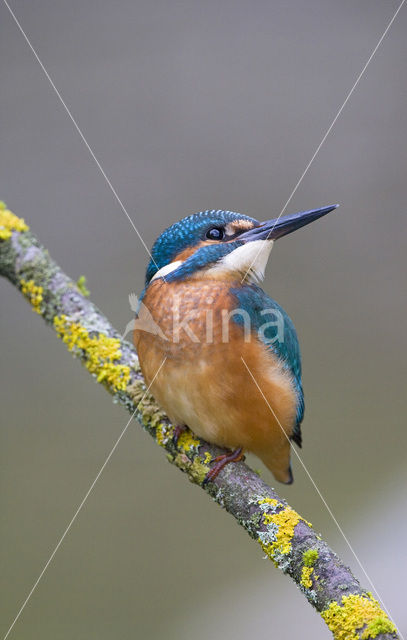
226 362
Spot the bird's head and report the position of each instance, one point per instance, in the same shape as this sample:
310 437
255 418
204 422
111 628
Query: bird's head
221 244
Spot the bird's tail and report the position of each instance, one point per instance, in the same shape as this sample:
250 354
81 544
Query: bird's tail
279 464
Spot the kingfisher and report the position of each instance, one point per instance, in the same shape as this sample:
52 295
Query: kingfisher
224 359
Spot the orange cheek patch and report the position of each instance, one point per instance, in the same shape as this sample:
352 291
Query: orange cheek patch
239 225
189 251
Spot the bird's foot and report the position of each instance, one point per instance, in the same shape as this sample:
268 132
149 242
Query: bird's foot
178 431
221 462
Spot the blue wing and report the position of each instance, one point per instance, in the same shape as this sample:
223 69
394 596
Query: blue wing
278 333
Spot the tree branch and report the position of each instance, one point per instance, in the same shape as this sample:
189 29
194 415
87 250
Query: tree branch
350 612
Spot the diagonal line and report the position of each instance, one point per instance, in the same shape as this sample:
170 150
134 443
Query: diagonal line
321 496
341 109
331 126
79 130
81 505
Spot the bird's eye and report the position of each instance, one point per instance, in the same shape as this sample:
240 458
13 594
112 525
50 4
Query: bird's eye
215 233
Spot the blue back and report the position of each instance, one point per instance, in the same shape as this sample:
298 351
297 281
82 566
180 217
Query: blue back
285 346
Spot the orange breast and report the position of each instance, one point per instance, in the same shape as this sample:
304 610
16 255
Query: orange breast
204 382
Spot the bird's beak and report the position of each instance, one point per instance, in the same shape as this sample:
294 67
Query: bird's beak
279 227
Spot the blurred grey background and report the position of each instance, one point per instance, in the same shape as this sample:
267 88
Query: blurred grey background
188 106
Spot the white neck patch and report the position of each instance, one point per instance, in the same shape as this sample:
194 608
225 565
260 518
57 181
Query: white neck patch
168 268
248 260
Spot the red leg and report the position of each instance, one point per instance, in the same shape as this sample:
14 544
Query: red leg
221 461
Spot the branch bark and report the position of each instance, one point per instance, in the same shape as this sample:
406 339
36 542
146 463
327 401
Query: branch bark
350 612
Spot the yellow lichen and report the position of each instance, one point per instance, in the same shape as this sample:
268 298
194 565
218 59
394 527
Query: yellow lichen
310 557
381 624
282 524
33 293
207 457
187 441
306 577
9 223
286 521
198 470
271 501
81 284
101 353
356 611
162 433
